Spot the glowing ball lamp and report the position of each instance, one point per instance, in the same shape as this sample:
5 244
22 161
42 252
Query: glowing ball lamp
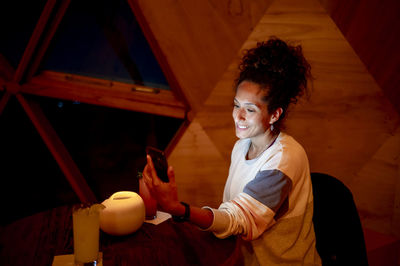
124 213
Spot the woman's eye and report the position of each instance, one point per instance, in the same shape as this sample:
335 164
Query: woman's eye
235 105
250 110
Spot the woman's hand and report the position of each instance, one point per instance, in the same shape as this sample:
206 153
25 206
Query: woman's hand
165 193
167 196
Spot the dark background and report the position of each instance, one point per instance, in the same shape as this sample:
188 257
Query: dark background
108 146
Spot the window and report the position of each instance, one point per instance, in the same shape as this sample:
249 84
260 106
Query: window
89 73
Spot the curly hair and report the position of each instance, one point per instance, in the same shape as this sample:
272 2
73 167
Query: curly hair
281 71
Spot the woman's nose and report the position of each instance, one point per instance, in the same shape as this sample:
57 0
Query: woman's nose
240 114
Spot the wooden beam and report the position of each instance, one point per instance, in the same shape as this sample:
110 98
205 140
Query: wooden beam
105 93
158 53
48 36
176 138
57 149
34 40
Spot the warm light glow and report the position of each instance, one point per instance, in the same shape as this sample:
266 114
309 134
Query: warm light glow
124 213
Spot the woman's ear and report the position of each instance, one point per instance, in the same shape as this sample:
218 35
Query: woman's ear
275 115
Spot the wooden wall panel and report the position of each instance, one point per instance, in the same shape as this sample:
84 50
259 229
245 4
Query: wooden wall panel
199 38
199 168
372 28
376 188
345 126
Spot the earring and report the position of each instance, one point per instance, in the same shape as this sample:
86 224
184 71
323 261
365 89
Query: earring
272 127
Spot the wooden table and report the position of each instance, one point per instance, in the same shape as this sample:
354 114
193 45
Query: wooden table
35 240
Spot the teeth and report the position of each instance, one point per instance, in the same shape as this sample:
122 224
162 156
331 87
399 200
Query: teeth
242 126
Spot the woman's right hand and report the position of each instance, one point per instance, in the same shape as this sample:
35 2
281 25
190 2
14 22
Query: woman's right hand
165 193
167 196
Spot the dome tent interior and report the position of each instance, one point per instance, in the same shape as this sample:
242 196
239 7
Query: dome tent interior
352 46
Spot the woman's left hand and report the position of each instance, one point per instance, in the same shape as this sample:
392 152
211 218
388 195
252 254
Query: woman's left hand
165 193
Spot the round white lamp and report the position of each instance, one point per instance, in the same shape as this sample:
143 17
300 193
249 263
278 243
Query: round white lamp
124 213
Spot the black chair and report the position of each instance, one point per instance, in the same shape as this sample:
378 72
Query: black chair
338 230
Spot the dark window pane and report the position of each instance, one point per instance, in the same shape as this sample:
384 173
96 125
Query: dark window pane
31 179
17 22
102 39
107 144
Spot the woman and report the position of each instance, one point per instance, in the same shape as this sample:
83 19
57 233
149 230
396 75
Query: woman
268 197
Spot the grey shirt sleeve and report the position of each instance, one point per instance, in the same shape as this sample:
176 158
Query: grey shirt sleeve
271 188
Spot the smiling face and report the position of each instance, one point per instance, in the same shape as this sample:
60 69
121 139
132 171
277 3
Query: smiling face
250 111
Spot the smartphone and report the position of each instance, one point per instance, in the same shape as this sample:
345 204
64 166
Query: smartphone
159 161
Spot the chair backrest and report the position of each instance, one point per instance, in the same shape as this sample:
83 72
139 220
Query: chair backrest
338 230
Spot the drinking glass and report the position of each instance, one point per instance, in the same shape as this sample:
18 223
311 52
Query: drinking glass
86 220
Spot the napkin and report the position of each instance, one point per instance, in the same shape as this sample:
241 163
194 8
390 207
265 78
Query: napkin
160 217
